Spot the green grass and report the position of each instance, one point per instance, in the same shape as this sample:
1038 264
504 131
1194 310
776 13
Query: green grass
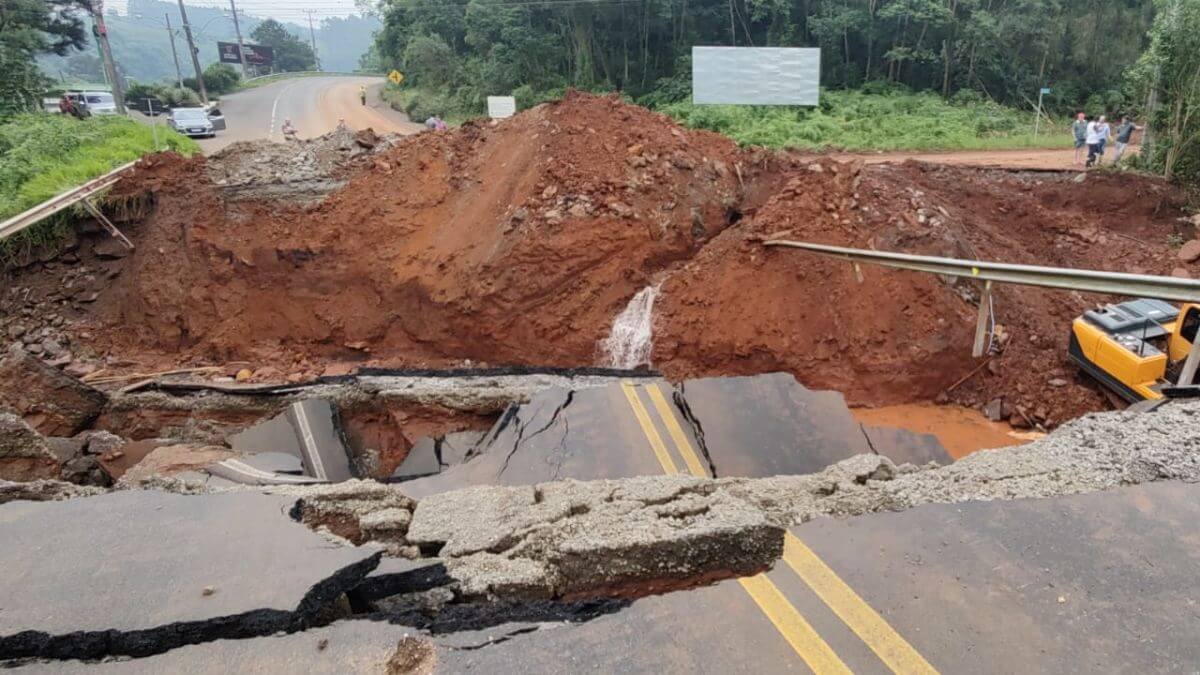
858 121
43 155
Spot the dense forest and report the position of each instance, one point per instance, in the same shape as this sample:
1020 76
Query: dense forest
1004 49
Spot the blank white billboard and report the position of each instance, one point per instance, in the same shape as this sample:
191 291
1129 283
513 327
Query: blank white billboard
500 107
756 75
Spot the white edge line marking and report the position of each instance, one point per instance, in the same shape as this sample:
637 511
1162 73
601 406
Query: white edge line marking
309 442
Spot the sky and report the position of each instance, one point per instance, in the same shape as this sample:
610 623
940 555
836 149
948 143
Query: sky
295 11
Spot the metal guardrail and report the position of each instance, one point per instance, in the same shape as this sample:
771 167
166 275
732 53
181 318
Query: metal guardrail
65 200
284 76
1113 283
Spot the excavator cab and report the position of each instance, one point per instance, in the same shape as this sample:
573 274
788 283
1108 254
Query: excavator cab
1135 348
1182 339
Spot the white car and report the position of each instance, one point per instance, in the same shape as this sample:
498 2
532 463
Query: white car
95 102
191 122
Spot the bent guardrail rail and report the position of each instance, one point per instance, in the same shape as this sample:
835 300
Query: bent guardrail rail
65 200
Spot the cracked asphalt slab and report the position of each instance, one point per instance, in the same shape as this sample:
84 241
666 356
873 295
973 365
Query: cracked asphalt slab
343 647
141 572
757 426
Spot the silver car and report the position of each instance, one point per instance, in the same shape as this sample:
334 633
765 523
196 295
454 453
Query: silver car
191 122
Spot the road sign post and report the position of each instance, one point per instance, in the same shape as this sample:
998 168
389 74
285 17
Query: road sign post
1037 121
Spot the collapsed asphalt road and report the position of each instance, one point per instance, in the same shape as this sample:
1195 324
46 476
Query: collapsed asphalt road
493 573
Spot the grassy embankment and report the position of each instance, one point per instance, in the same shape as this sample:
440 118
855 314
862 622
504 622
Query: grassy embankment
845 120
44 155
856 121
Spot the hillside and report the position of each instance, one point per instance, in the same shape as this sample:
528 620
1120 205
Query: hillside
142 48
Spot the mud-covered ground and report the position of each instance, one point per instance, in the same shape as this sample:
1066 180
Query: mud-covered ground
518 242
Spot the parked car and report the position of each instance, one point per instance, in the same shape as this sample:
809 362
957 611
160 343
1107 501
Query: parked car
192 122
94 102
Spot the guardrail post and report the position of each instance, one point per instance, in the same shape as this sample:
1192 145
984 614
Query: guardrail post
981 323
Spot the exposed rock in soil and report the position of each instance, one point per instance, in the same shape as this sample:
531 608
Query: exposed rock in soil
24 454
171 460
52 402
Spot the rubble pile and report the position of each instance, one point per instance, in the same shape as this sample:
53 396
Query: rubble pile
298 170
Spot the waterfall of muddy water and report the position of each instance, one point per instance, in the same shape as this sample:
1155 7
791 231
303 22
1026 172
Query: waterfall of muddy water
629 341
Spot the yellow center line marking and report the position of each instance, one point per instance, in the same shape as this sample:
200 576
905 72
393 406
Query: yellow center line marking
798 633
870 627
676 432
643 418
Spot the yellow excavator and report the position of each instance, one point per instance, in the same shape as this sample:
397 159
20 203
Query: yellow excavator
1138 349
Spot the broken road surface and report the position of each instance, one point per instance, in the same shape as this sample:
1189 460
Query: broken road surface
1092 583
140 572
758 426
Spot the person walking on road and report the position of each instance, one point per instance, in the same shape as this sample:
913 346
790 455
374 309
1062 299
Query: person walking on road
362 93
1097 136
1124 134
1080 129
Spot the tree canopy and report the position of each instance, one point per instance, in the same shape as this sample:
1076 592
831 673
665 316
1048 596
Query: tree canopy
29 28
1004 49
291 53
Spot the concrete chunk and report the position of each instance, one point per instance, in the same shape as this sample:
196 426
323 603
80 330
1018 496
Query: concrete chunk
573 539
308 429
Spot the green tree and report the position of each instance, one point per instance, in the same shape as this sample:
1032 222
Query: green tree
1172 66
429 60
29 28
291 53
220 78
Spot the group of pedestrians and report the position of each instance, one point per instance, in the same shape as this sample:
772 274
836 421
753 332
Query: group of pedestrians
1096 134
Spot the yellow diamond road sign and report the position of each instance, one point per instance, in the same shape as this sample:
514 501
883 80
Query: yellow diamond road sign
396 77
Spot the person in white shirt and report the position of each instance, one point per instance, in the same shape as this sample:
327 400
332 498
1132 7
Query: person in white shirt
1097 135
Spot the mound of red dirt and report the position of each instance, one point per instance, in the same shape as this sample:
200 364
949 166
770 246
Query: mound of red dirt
519 242
511 242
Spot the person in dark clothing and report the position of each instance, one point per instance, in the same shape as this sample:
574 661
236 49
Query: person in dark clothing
1124 134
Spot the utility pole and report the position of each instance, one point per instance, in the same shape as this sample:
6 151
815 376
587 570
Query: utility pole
187 32
110 67
312 38
238 30
174 54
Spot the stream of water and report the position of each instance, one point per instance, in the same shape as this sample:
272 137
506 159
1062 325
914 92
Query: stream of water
630 340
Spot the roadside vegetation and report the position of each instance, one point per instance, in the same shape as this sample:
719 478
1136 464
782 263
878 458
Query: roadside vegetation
880 117
44 155
859 121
